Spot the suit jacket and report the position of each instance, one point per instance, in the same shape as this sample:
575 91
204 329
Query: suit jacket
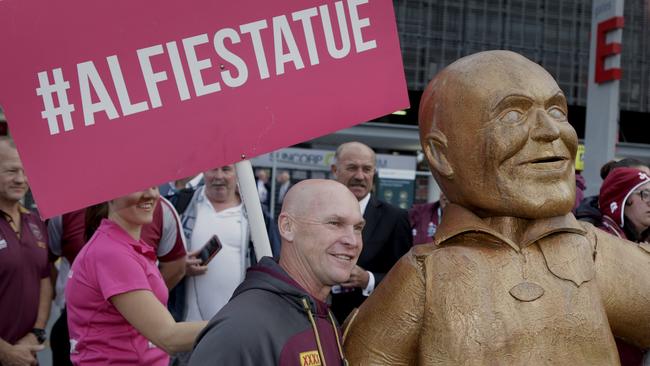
386 238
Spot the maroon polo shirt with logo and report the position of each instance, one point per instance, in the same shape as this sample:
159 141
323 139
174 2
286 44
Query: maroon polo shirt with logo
23 263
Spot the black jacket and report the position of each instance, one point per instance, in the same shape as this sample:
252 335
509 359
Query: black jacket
386 238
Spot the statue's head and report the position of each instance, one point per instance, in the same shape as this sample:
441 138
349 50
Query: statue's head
494 129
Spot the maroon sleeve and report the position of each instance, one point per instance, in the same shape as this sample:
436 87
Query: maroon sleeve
171 244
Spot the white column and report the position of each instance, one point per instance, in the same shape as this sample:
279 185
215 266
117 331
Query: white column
248 191
601 128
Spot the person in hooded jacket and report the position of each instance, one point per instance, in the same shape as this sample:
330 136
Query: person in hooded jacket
588 209
624 202
278 315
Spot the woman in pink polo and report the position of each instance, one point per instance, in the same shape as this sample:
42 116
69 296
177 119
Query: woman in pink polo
116 296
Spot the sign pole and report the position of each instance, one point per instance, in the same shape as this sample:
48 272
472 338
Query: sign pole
601 128
273 175
248 191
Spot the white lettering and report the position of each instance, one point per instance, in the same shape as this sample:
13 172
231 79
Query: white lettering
231 56
151 79
329 34
120 88
282 31
197 65
305 17
254 30
177 68
357 24
224 53
88 76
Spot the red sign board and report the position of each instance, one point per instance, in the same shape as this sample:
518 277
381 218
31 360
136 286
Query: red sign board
105 98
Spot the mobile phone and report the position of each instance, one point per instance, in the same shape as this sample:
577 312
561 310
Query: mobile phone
209 250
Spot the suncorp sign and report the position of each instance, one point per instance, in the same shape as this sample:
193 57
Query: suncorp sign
295 158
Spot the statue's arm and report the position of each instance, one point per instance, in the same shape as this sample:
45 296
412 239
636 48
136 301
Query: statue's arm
385 330
623 277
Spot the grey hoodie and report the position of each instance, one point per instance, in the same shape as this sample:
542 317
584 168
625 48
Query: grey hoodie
270 320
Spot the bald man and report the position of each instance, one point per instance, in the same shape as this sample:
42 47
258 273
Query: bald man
278 315
512 278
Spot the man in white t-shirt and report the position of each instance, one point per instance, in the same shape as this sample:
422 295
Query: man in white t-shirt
216 208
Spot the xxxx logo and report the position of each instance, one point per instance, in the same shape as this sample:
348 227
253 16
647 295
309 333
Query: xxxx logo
310 358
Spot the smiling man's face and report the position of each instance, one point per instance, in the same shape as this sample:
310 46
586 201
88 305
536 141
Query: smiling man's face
509 141
355 168
221 184
321 226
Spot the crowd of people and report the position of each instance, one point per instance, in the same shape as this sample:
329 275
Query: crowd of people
129 277
117 262
136 287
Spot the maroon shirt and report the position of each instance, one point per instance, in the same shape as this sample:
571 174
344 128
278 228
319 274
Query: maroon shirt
73 227
23 263
424 219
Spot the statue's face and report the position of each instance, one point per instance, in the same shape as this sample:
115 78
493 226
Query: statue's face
510 145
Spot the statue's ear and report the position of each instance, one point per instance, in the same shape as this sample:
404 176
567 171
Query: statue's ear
435 148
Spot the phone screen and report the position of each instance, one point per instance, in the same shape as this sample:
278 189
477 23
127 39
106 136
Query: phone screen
209 250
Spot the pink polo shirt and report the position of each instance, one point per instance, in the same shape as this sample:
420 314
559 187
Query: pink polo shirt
111 263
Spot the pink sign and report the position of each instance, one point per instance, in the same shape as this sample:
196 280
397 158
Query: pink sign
107 97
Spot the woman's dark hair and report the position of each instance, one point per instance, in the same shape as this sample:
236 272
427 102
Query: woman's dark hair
94 216
632 235
623 163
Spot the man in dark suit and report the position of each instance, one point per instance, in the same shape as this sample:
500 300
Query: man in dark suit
386 236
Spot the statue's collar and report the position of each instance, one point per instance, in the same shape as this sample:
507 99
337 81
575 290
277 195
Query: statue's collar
457 220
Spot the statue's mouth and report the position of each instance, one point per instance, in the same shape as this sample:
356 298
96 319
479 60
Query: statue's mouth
550 159
554 162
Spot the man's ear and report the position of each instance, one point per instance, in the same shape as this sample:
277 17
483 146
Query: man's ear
435 148
333 169
286 227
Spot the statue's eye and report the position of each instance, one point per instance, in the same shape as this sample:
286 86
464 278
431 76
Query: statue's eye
557 113
512 116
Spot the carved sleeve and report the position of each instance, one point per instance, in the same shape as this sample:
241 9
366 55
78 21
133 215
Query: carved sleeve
386 329
623 276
